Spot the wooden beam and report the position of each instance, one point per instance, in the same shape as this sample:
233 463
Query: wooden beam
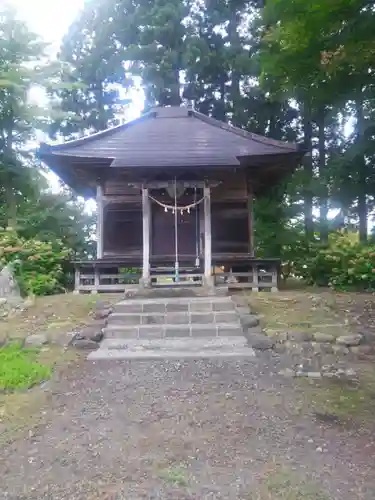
99 222
113 199
165 184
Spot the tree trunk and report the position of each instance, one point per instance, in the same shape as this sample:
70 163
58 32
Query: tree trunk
10 196
275 127
360 164
175 99
11 204
308 170
235 43
101 123
323 178
220 105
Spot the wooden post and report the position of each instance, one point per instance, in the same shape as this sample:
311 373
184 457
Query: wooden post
208 279
99 223
77 280
274 278
255 287
96 281
250 218
146 210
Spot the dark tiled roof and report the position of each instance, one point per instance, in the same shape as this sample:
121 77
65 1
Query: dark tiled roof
170 137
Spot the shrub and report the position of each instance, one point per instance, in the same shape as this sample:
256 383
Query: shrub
343 264
38 265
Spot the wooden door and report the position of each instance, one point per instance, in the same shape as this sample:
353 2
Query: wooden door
163 232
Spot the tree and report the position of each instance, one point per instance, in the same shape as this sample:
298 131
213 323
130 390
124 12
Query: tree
26 202
310 47
91 69
21 67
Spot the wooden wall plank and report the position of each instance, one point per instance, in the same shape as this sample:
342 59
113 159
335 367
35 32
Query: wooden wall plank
232 187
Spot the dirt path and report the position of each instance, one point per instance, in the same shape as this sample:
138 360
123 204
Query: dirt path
189 430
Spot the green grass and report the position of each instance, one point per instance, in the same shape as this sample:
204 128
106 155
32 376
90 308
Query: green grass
301 311
344 402
19 368
52 316
286 485
175 476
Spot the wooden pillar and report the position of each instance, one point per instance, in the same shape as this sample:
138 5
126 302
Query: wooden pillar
146 216
275 278
250 218
255 287
77 280
96 281
99 223
208 279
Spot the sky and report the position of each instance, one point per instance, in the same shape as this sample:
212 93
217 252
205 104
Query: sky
49 18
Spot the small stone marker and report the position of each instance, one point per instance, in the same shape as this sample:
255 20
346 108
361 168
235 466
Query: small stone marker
9 288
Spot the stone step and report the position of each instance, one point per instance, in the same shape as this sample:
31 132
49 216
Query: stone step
187 348
159 331
175 304
136 292
172 318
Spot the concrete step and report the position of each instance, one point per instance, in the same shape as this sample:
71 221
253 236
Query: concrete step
159 331
171 291
175 304
172 318
187 348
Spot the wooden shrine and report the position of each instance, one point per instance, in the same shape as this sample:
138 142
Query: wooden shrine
174 191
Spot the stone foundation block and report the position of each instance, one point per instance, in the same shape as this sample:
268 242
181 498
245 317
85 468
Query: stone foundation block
177 331
200 331
153 319
202 318
154 308
202 306
177 318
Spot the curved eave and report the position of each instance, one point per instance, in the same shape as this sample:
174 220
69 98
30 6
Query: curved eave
294 156
80 173
267 171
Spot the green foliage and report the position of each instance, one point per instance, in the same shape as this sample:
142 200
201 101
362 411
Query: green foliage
343 264
19 368
26 203
321 54
38 265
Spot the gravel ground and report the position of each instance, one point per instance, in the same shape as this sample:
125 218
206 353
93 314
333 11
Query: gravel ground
185 430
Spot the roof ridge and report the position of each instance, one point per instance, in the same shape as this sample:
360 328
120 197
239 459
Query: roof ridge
290 146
